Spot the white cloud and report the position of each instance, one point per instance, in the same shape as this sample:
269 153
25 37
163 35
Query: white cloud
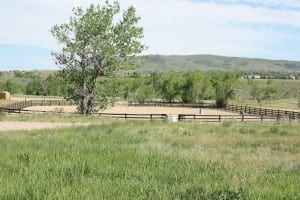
171 26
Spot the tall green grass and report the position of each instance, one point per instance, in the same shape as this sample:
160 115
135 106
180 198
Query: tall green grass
152 160
286 96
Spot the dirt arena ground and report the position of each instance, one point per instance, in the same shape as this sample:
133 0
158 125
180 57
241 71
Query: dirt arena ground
137 110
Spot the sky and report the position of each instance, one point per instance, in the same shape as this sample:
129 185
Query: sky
241 28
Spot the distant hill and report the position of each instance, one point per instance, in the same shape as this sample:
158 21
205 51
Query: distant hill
212 62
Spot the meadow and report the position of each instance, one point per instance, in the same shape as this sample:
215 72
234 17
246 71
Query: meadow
118 159
285 93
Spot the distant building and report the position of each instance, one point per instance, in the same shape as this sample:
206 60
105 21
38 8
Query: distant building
292 77
253 77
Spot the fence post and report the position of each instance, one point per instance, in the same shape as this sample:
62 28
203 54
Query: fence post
242 118
261 118
151 116
125 115
219 118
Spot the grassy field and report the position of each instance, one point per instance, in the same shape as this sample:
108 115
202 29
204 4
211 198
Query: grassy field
151 160
286 96
284 104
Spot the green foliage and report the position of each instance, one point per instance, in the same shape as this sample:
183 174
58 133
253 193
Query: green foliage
171 85
269 93
28 74
12 87
196 87
191 87
144 93
273 93
18 74
96 42
106 91
157 160
54 85
34 87
224 84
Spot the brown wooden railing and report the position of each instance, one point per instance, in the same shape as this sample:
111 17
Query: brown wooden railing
108 115
133 116
221 118
278 113
172 104
247 113
30 103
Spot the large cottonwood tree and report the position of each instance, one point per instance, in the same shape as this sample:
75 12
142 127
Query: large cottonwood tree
96 42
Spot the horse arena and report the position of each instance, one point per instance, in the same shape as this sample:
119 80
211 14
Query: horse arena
121 109
124 110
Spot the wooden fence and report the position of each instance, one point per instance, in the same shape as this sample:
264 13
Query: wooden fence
30 103
172 104
10 110
108 115
221 118
248 113
282 114
133 116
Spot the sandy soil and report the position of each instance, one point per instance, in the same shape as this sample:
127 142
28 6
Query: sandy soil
16 125
137 110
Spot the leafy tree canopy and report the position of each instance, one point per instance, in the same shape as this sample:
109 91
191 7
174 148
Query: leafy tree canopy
96 42
224 84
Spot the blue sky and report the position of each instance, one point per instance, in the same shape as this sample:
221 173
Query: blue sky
246 28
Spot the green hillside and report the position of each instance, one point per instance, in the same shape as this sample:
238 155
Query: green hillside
212 62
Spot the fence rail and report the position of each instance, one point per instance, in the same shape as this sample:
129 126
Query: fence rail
172 104
10 110
108 115
133 116
30 103
283 114
221 118
247 113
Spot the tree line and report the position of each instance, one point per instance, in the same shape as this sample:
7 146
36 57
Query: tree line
52 85
187 87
